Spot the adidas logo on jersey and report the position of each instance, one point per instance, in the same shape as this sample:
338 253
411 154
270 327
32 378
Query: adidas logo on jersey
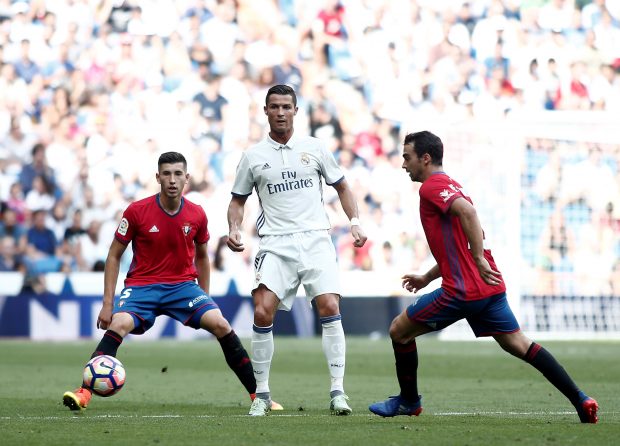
154 229
266 166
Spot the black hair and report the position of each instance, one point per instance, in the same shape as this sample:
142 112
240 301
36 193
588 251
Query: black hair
171 158
281 90
426 142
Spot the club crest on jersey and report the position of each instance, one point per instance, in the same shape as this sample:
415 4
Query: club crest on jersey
446 194
305 159
187 228
123 226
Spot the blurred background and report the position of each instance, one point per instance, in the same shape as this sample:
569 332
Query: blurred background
525 95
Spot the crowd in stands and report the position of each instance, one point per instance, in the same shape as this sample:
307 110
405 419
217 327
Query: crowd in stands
92 91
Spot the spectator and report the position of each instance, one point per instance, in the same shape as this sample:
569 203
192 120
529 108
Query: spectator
213 106
20 139
38 167
11 227
41 247
91 248
41 195
17 202
25 68
9 259
75 228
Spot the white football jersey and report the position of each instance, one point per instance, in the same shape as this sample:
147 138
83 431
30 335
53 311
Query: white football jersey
288 180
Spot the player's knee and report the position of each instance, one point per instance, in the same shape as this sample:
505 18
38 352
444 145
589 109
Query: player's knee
516 343
263 316
122 324
220 327
397 335
328 305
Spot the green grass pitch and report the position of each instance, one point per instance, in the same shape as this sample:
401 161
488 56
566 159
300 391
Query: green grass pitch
474 394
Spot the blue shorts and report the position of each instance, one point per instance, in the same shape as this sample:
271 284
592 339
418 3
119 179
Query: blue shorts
486 317
186 302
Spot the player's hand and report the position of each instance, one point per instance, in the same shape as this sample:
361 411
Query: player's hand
414 282
234 241
105 318
488 274
358 234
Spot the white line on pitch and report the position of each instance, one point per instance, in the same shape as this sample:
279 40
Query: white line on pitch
439 414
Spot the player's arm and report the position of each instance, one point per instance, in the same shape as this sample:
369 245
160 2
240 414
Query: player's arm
110 277
415 282
203 266
467 215
235 218
349 205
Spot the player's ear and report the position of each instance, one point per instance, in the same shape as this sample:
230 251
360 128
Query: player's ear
265 109
157 177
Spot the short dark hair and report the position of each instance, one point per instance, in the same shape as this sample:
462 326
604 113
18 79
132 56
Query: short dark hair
426 142
281 90
171 158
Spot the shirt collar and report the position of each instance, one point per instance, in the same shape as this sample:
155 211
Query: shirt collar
277 146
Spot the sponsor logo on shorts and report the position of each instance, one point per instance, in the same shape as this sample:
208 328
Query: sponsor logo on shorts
198 300
123 226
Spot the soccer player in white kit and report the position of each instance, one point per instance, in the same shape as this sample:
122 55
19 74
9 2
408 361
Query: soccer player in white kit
295 247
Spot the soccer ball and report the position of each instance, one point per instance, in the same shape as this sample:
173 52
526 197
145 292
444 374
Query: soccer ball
104 375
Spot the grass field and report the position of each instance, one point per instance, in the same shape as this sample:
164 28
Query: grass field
474 394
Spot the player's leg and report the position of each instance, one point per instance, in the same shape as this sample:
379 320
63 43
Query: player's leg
262 347
318 273
275 285
403 332
430 312
519 345
495 318
122 323
334 348
235 354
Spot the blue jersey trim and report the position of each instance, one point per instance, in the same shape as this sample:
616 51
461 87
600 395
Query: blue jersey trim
263 330
328 319
165 212
452 255
339 181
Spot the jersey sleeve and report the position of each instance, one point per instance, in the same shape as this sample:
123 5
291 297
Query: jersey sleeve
329 167
441 194
127 226
202 229
244 180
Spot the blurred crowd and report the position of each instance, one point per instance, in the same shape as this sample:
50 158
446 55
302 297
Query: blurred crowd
92 91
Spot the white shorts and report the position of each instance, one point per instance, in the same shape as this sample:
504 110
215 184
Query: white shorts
283 262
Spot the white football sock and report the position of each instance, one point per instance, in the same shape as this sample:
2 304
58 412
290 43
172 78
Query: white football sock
262 352
334 347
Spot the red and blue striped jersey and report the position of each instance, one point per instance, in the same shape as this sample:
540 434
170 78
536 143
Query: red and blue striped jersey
163 244
448 243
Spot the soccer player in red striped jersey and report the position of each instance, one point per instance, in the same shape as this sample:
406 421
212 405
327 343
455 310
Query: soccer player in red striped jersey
169 274
472 286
